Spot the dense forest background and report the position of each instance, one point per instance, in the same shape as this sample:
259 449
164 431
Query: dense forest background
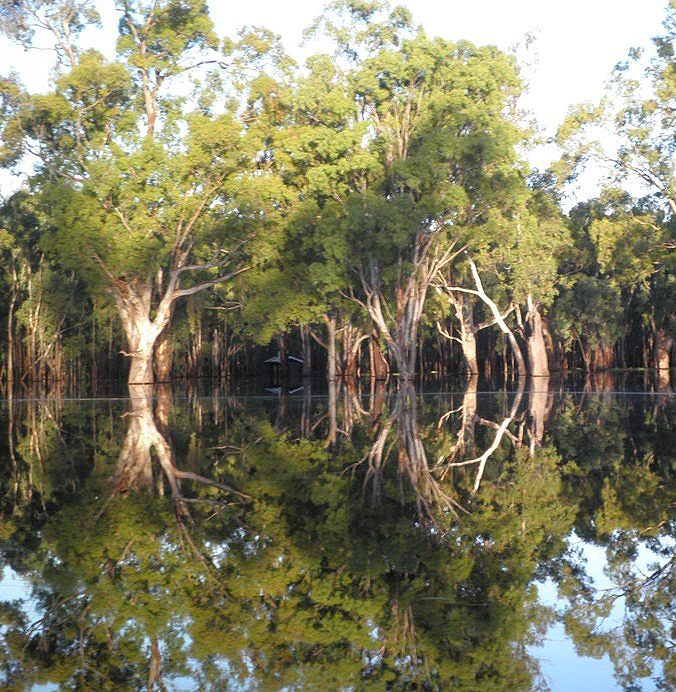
200 204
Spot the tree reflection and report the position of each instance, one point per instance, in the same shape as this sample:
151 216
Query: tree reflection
164 575
134 466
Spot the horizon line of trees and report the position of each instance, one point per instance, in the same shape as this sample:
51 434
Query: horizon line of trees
199 204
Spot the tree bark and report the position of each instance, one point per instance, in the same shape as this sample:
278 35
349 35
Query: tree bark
537 351
10 329
602 357
497 317
662 350
331 348
163 356
378 364
306 342
133 302
464 310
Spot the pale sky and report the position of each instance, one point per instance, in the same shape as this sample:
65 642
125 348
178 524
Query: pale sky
577 43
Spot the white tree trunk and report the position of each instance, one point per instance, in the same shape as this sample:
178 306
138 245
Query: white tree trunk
537 350
133 302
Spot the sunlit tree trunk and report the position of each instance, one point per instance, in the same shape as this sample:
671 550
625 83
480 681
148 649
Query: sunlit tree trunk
133 304
331 348
398 325
378 365
537 351
662 349
464 310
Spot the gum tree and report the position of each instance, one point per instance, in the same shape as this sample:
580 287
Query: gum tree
435 116
139 172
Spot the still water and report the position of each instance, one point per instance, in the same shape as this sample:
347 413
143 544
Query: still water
367 538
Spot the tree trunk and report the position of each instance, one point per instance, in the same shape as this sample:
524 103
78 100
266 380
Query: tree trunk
549 346
163 356
662 349
306 342
464 309
537 351
133 304
378 364
10 329
602 357
331 348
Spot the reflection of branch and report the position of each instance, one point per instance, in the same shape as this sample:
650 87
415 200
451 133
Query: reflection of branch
495 426
501 431
484 457
207 481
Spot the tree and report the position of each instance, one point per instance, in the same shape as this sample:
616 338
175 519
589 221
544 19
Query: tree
141 180
435 113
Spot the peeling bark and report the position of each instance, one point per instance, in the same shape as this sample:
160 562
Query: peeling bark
537 351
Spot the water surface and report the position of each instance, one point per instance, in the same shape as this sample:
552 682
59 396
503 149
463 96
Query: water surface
366 538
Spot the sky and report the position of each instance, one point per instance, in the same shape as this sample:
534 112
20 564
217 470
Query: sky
577 42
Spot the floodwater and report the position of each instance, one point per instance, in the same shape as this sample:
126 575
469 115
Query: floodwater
365 538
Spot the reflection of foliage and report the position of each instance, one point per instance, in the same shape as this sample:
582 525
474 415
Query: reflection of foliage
309 586
623 475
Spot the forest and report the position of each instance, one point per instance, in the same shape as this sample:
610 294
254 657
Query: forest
200 204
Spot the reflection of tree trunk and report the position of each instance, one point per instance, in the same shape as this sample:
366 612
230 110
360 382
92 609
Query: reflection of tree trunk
603 381
501 430
378 395
539 406
283 361
134 465
306 411
410 455
155 666
412 459
466 433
